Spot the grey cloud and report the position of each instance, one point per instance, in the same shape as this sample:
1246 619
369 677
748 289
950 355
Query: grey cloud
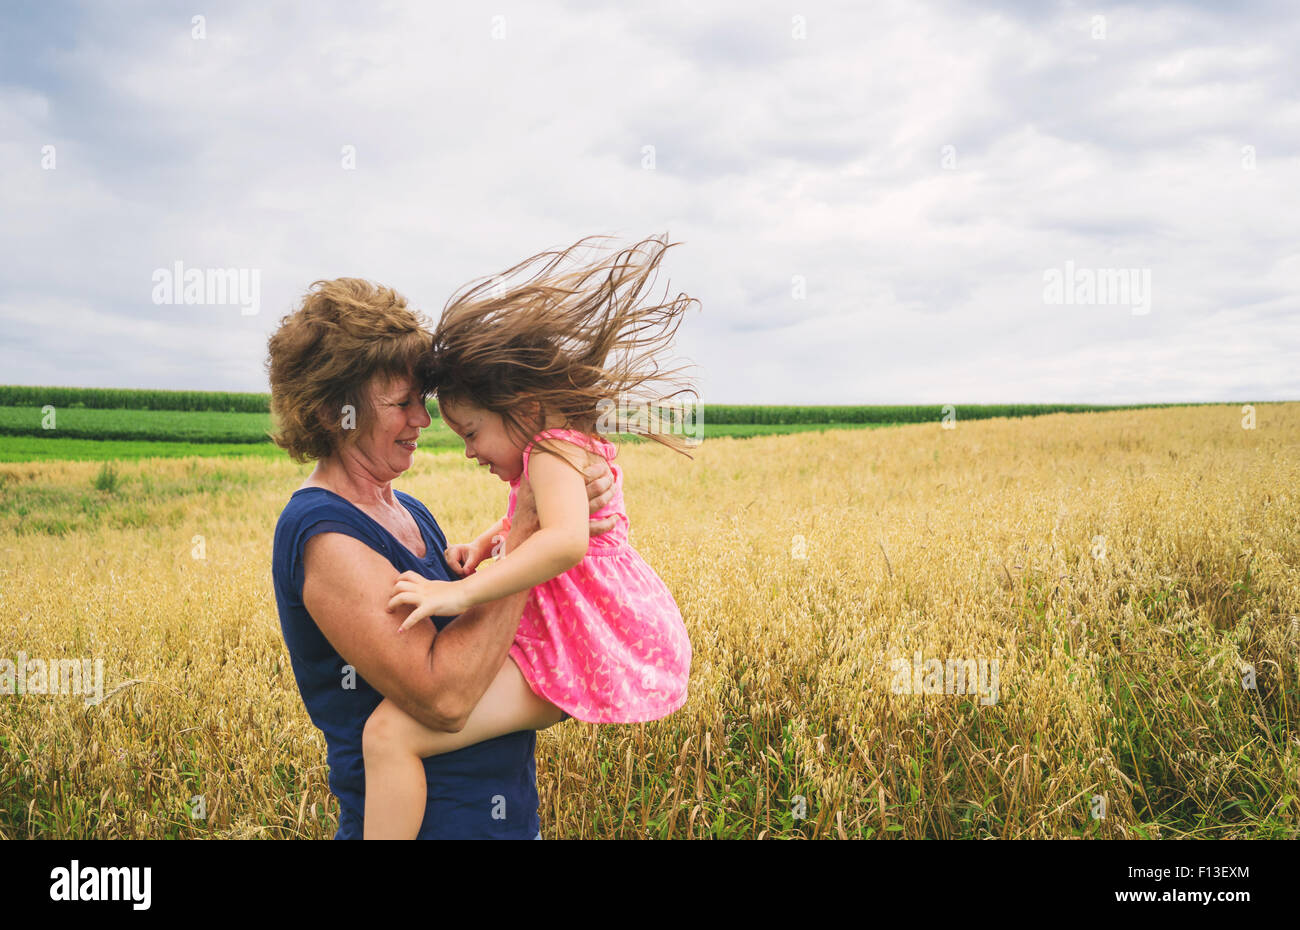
774 157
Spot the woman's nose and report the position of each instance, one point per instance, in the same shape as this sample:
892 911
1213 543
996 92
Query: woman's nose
422 417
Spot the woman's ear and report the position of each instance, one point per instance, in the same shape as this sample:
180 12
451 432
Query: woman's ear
340 421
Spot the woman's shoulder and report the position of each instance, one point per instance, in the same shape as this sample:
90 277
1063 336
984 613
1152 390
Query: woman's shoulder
310 508
309 512
313 500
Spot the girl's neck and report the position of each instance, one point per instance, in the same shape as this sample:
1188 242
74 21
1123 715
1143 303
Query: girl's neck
579 424
555 422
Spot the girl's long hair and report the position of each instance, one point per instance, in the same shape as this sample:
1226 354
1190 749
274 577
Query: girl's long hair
578 342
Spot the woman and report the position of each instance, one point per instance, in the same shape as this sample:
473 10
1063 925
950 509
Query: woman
347 390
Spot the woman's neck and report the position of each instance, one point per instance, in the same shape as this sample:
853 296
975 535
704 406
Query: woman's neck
350 478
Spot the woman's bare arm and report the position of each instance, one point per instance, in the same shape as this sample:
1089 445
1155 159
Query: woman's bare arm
436 677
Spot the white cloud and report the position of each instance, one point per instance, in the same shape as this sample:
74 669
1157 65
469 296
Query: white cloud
775 156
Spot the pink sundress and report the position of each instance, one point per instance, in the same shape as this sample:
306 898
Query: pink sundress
605 640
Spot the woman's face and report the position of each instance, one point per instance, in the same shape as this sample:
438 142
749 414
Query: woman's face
389 445
486 439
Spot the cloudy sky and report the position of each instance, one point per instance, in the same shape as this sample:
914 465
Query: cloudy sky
893 202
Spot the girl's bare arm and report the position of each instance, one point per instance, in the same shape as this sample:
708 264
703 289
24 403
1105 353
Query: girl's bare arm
560 543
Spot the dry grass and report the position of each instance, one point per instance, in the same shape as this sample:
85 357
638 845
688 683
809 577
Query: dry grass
1119 677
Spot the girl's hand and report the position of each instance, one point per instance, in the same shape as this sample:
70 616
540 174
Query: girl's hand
463 558
429 598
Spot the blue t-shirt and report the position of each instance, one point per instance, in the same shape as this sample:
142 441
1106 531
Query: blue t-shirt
484 791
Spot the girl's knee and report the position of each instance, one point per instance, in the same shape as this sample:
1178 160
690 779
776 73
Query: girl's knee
383 730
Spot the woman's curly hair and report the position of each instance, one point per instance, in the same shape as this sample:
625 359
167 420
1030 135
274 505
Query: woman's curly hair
577 342
325 354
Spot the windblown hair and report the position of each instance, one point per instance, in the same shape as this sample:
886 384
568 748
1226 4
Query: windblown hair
579 343
325 354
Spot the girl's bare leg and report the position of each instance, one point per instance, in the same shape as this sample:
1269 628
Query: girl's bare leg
394 743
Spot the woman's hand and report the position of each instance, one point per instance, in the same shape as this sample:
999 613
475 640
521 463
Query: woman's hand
463 558
600 491
429 598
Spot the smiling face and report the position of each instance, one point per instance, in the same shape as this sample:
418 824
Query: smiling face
486 438
389 445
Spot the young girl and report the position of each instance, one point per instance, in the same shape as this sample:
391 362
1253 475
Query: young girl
520 372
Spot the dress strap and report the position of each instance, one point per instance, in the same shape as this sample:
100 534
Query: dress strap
601 447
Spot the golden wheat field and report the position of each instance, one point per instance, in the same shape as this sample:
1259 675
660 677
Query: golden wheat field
1131 574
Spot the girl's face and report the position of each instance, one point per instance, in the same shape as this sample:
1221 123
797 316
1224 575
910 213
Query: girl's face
486 438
